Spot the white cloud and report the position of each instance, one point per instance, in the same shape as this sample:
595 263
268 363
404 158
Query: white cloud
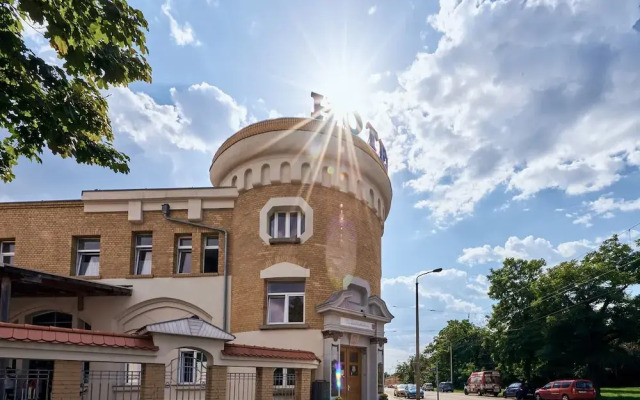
526 248
605 205
199 118
584 220
372 10
181 34
274 114
522 96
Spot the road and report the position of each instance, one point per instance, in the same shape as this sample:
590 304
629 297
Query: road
443 396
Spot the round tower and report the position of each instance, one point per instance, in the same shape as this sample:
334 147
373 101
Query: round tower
305 259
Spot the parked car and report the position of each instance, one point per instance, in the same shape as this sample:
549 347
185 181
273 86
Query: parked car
400 391
428 386
518 390
483 382
576 389
411 392
445 387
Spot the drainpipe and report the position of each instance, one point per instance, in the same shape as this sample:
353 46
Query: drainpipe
166 211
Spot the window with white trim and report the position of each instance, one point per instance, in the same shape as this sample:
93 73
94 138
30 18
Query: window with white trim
132 374
279 375
143 254
7 251
191 367
88 257
286 224
210 250
183 259
285 302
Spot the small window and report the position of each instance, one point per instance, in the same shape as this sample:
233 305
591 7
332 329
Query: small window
88 257
210 249
556 385
184 255
285 303
278 377
192 367
143 254
291 377
7 252
566 384
132 374
286 224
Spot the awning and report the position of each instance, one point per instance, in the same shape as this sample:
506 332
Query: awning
240 350
31 283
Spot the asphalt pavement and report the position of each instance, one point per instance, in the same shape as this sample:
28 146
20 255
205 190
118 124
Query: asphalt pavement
428 395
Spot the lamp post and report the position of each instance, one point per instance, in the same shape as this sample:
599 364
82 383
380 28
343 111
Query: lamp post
417 365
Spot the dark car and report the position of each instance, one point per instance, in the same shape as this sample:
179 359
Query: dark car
410 392
445 387
518 390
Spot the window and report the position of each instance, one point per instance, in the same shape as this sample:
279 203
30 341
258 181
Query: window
566 384
285 302
191 368
279 375
7 252
143 255
286 224
132 374
53 318
547 386
210 250
556 385
184 255
88 257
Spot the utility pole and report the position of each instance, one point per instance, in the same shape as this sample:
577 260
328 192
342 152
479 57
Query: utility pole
451 362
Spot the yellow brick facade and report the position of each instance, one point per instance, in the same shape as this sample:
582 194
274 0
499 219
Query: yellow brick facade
45 234
346 241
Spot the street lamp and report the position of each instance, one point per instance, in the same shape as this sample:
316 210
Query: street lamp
417 366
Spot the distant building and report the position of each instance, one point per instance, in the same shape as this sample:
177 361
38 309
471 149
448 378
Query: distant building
274 270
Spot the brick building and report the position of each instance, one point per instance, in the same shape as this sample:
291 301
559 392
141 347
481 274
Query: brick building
274 270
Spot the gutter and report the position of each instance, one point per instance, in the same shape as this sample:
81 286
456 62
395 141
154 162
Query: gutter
166 211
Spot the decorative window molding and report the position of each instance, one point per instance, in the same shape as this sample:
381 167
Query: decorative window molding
288 205
284 270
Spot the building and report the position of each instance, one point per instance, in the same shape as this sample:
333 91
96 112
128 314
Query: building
273 271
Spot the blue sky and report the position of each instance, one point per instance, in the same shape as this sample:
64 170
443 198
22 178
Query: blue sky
512 126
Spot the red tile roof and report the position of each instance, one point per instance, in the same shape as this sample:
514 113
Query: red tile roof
241 350
78 337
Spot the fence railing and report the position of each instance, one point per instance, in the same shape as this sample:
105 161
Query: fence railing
26 384
241 386
110 385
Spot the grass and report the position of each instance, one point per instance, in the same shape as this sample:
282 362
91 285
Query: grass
622 393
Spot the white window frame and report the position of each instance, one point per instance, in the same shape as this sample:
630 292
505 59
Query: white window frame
80 253
286 295
182 250
194 355
8 253
132 374
206 247
287 223
284 378
140 248
276 204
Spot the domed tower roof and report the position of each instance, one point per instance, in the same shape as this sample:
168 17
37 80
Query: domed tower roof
306 151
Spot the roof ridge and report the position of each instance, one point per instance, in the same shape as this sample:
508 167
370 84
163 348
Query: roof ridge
71 330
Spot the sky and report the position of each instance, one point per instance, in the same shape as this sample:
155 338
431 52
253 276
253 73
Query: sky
512 126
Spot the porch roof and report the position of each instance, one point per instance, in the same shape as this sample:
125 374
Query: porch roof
79 337
31 283
240 350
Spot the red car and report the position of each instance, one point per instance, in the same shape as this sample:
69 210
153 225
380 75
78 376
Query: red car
577 389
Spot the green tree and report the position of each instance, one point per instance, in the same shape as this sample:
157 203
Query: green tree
516 343
468 343
100 43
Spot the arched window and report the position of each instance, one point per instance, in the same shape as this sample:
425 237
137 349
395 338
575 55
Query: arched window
53 318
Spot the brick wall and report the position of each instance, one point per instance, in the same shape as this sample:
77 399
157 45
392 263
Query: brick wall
216 383
152 382
264 383
303 384
346 241
67 376
45 236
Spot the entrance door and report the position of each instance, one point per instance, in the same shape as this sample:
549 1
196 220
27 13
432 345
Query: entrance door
351 359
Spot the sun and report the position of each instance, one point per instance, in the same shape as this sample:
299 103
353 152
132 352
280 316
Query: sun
345 89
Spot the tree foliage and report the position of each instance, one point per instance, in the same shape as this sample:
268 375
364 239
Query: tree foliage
578 319
99 43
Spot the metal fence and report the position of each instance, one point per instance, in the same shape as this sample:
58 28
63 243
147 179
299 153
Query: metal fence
26 384
185 378
241 386
284 384
110 385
